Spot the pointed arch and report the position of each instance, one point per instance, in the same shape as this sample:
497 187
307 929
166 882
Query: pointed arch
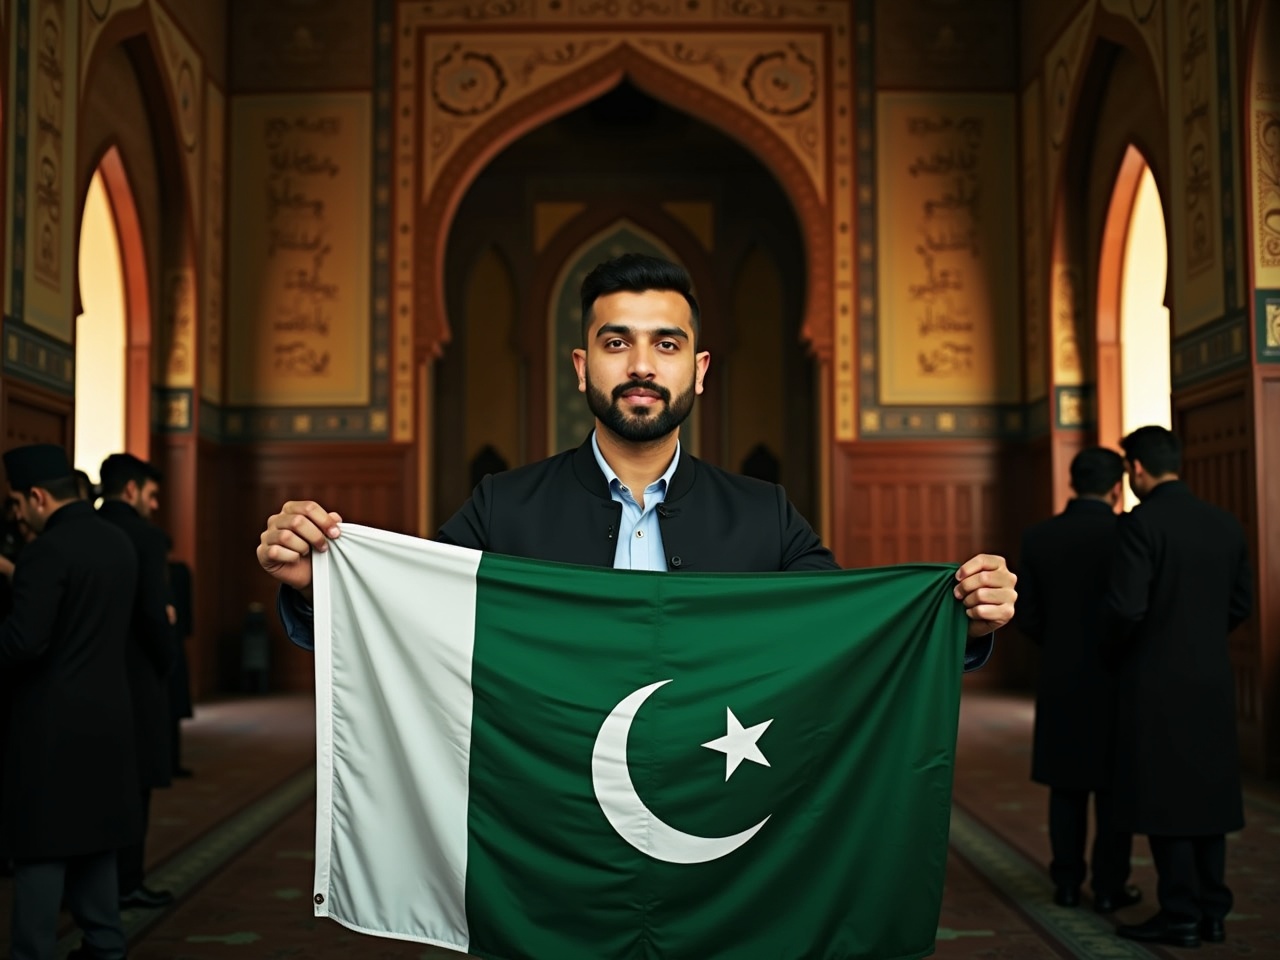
574 90
133 262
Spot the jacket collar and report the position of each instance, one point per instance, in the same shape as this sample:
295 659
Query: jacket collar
117 508
68 511
1168 488
1087 505
588 473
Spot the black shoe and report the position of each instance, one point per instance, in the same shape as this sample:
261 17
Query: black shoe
1163 929
1110 903
146 899
1212 930
1067 896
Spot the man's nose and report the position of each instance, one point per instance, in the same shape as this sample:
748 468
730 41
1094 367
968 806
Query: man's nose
641 367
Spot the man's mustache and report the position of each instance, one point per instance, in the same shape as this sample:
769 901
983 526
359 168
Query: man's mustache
622 388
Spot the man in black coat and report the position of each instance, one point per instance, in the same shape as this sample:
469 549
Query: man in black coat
130 492
629 497
1180 583
1065 565
70 778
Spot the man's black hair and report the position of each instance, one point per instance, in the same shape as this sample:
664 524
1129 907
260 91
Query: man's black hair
60 488
1095 470
1157 449
119 468
636 273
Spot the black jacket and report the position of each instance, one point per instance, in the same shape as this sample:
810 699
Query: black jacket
711 520
70 778
1063 574
150 648
1179 584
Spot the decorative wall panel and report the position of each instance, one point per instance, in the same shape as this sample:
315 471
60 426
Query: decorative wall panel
299 267
947 288
214 245
1034 283
42 197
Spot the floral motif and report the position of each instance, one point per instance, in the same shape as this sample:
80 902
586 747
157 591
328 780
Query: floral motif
781 83
466 83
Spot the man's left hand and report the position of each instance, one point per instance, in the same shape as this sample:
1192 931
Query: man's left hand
985 588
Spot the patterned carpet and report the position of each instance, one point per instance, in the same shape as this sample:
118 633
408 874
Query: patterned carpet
236 843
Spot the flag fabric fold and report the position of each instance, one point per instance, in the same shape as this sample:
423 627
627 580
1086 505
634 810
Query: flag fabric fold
520 759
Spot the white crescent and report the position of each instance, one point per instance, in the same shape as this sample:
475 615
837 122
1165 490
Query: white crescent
626 812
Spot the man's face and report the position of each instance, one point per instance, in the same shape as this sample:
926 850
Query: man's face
27 510
640 369
145 499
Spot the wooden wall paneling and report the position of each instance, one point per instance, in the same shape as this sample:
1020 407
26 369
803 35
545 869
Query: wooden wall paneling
34 415
1214 421
366 483
216 618
1267 599
932 502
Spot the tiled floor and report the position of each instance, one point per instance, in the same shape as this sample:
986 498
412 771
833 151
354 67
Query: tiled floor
236 841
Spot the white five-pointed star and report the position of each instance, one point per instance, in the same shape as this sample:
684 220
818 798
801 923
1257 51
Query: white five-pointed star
739 744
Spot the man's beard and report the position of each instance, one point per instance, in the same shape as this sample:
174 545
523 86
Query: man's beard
646 423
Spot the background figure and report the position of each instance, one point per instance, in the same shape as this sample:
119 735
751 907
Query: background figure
69 794
1180 583
180 673
85 487
130 493
1064 575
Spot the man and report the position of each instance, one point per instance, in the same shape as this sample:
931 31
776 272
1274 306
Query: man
1065 563
69 799
130 494
629 497
1180 583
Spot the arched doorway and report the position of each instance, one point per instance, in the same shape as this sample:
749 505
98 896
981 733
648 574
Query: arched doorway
113 331
675 186
1133 321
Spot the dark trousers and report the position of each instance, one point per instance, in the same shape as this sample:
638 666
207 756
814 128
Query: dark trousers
1068 828
131 858
1190 874
89 884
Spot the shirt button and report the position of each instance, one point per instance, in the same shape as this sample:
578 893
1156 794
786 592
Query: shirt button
639 533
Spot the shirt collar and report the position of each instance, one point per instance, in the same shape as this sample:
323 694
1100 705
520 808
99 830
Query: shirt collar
662 482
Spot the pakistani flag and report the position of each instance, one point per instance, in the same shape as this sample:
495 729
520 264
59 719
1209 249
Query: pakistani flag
533 760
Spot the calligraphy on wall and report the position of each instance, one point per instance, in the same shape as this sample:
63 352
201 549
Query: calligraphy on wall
50 183
179 327
1195 224
947 226
1033 246
214 239
1264 149
299 291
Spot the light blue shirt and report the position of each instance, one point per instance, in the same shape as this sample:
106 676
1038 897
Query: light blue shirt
639 536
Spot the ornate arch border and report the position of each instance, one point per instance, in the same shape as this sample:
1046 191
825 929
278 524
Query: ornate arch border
1110 293
825 212
137 297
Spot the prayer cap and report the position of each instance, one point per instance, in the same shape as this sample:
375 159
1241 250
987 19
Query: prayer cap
35 464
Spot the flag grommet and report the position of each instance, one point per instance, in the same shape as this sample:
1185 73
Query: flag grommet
319 899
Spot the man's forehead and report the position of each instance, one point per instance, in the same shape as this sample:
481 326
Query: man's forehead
659 307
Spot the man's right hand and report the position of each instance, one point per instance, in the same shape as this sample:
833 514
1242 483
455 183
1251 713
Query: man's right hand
300 527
